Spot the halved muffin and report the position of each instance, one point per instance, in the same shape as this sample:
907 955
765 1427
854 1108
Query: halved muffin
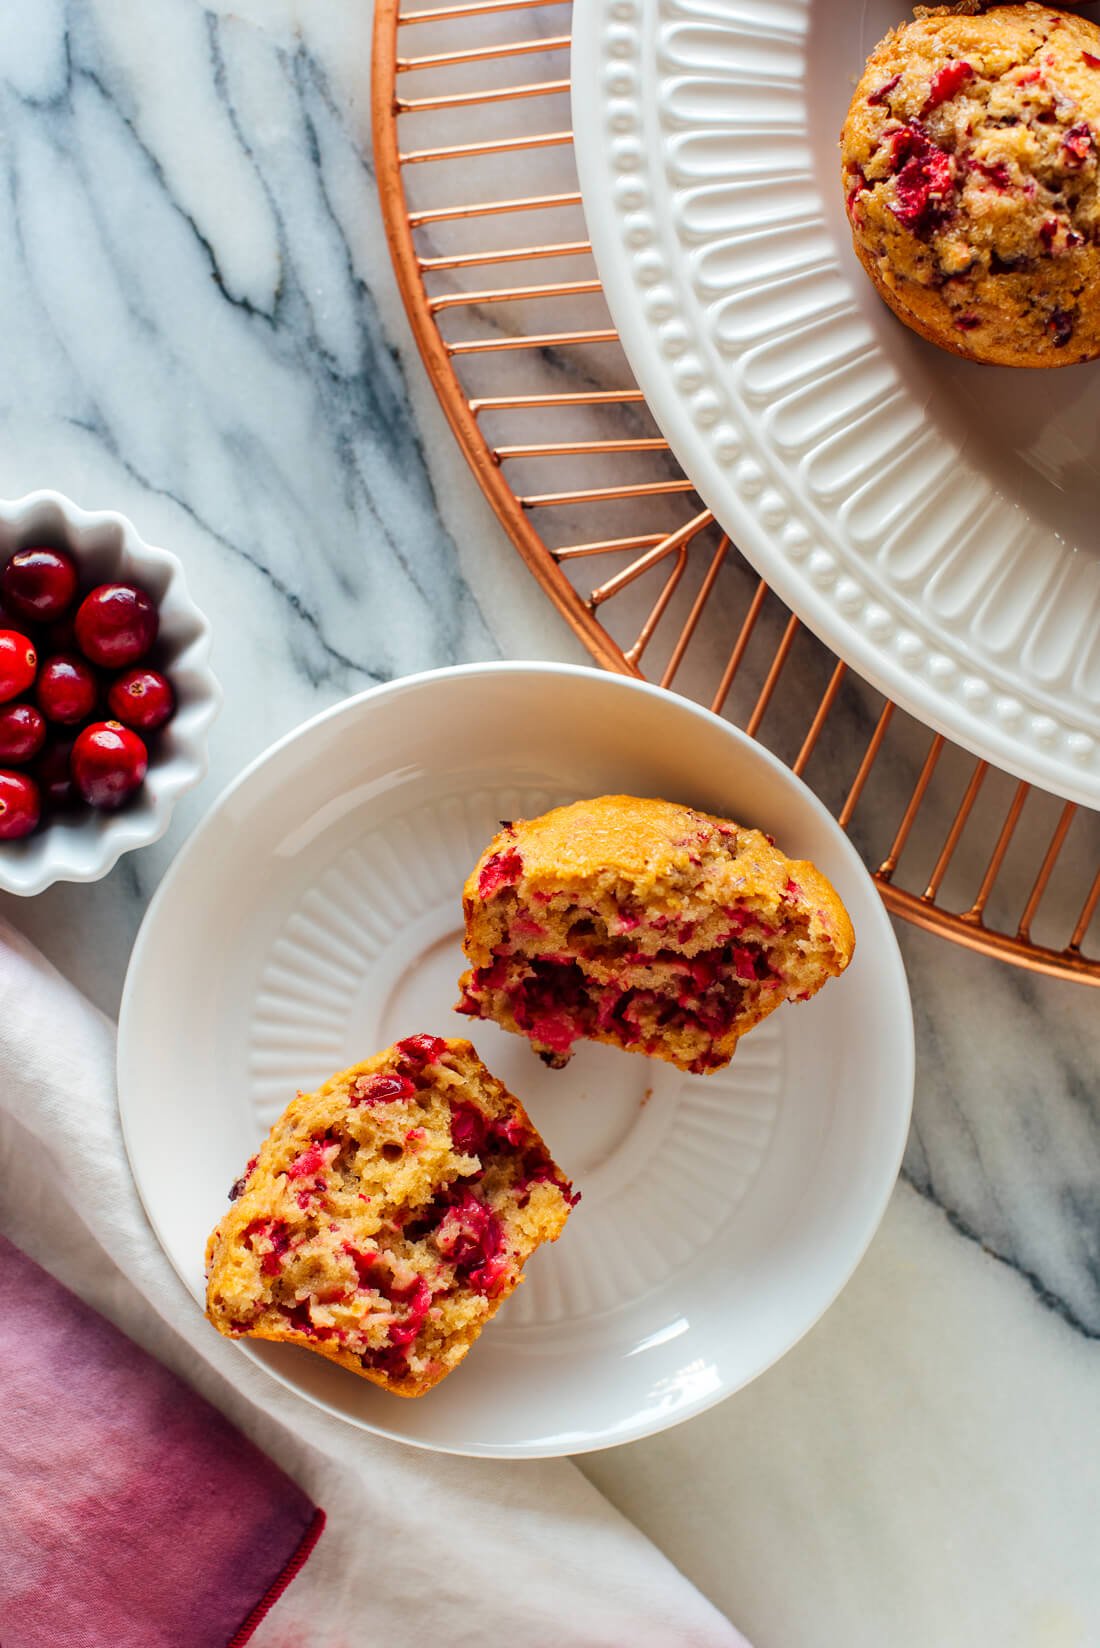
647 925
388 1216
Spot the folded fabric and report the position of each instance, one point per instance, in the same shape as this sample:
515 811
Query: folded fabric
419 1549
133 1514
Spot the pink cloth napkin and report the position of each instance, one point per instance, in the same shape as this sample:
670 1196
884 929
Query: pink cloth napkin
420 1550
132 1514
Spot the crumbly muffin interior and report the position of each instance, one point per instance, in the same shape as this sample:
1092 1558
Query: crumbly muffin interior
678 971
388 1215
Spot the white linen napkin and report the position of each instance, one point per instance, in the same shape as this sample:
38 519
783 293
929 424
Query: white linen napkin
420 1549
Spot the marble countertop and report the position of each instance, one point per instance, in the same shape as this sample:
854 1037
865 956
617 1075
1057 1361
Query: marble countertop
200 328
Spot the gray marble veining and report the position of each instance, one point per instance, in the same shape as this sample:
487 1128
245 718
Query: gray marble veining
198 326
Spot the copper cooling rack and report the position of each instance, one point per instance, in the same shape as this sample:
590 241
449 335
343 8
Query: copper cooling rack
483 217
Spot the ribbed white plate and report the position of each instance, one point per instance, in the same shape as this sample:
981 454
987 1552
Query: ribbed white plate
934 521
316 916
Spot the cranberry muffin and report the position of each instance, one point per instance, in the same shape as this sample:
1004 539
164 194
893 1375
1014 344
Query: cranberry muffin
971 163
646 925
387 1216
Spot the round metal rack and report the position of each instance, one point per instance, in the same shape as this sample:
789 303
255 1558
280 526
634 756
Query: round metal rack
483 216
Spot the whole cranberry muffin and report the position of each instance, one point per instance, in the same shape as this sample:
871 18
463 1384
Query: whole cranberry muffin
647 925
971 163
387 1216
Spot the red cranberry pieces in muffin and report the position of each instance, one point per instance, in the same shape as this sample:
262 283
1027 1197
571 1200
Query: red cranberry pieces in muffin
387 1216
646 925
22 733
20 805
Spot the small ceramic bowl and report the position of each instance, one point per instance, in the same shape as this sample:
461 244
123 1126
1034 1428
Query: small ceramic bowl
83 845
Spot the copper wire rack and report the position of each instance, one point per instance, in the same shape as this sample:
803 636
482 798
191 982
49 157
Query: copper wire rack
483 217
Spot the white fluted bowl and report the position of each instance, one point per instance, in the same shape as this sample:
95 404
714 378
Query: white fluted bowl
84 845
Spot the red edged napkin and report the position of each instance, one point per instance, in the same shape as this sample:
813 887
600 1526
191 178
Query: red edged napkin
132 1514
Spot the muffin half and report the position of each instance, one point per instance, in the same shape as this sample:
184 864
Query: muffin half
387 1216
646 925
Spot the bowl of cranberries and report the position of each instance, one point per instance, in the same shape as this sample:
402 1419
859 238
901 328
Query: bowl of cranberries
106 693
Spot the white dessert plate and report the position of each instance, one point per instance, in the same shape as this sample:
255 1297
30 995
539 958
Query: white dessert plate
934 521
315 917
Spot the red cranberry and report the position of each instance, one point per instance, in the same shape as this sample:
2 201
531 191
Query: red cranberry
116 625
20 805
53 770
22 733
66 689
39 583
108 763
10 619
18 662
142 698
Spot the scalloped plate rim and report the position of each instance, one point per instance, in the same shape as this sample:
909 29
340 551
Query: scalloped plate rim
981 735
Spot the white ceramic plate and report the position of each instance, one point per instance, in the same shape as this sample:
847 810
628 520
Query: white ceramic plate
315 917
934 521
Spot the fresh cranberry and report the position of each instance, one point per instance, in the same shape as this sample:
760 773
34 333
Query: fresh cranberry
116 625
66 689
22 733
422 1049
947 83
20 805
379 1089
54 773
18 662
142 698
501 870
108 764
39 583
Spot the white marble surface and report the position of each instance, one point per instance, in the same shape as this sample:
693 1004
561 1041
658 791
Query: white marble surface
199 327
